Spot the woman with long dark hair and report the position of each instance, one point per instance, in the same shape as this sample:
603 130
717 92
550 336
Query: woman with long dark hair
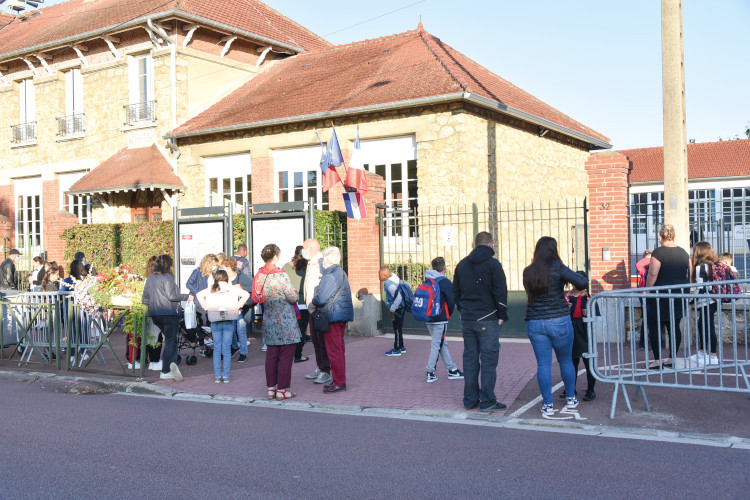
702 265
548 323
163 297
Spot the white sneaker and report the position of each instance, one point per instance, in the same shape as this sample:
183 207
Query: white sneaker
264 348
155 366
314 374
175 372
323 377
137 366
85 356
166 376
713 360
698 358
248 342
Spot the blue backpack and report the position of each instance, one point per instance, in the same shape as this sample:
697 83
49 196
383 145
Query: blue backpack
407 294
427 304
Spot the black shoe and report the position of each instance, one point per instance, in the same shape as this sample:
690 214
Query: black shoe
563 395
242 358
234 350
472 406
589 396
496 407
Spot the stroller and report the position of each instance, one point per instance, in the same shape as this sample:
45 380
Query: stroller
193 338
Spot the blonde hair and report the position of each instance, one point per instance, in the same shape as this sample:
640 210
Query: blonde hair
666 232
221 257
207 263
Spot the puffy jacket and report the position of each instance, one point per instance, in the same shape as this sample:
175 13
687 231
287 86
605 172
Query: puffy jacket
162 296
330 281
8 274
196 282
479 287
553 303
243 266
446 295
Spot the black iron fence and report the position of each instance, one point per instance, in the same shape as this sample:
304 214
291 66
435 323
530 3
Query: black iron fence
70 125
23 132
140 112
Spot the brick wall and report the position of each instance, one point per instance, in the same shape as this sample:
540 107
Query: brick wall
262 180
55 224
608 220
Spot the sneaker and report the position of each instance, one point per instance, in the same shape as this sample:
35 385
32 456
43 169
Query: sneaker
547 409
455 374
496 407
242 358
314 374
403 350
264 348
166 376
175 372
234 350
225 380
393 352
711 360
217 380
248 342
698 358
155 366
323 377
589 396
571 403
431 377
202 352
137 366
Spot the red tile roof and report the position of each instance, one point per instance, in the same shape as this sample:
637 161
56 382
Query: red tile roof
706 160
77 17
130 170
384 71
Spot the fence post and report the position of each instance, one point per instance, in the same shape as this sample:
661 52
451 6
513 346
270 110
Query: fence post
475 220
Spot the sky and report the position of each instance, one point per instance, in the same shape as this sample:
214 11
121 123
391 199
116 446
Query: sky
598 61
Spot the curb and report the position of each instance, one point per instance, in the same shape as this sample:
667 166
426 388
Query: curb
142 388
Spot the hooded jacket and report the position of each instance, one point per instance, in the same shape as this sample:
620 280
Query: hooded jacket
162 296
479 287
446 295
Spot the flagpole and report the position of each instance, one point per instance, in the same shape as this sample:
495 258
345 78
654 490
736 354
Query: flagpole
342 161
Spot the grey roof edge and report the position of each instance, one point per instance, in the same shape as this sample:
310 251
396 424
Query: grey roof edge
422 101
142 19
132 187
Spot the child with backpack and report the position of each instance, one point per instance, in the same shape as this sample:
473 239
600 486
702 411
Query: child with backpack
398 297
433 303
578 302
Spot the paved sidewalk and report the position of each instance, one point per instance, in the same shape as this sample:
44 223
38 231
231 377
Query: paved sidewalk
373 379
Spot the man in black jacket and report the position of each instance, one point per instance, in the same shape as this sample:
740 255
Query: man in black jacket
8 273
481 295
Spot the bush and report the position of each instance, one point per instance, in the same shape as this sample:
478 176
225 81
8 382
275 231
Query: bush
411 272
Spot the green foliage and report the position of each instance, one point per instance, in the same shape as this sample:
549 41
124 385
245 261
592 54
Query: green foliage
330 230
139 241
238 233
411 272
100 243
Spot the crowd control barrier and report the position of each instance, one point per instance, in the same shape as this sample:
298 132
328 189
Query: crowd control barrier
681 319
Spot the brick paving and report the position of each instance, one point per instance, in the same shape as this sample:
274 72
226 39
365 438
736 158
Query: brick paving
373 379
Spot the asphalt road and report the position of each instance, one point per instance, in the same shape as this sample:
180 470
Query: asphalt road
58 444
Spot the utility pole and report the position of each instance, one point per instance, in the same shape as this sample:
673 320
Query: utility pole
675 130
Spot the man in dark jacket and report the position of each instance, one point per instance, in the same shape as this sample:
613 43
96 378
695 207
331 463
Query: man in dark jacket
481 295
8 273
438 326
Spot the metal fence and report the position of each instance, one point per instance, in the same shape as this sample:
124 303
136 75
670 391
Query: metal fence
50 329
140 112
411 239
684 317
718 216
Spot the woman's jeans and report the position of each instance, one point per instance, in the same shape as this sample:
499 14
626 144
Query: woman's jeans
222 333
170 327
547 335
239 337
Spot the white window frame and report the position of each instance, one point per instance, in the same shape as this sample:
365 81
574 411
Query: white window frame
141 91
387 153
228 168
79 205
303 160
27 100
29 216
73 92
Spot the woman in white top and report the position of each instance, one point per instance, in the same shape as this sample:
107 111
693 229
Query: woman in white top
223 302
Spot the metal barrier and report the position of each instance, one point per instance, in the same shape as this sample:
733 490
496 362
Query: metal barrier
62 333
617 318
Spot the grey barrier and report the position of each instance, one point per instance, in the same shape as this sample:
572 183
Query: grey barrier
617 319
61 333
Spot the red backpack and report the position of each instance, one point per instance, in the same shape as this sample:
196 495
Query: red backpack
722 272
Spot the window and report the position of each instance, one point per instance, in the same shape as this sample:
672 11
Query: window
395 160
72 122
228 180
298 176
142 103
25 131
77 204
28 214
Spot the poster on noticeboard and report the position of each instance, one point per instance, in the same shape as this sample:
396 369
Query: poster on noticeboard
196 239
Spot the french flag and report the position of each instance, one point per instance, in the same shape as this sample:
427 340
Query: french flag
328 158
355 205
355 175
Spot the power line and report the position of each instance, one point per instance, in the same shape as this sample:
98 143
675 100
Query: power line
376 17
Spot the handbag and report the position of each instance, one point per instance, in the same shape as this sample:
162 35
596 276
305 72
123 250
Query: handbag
320 316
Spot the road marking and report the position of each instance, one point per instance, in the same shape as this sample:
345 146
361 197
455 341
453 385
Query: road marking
538 399
565 411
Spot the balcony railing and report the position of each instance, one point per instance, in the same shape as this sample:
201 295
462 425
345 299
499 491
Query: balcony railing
23 132
140 112
70 125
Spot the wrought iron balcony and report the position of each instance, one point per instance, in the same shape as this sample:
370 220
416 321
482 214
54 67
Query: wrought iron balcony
140 112
70 125
23 132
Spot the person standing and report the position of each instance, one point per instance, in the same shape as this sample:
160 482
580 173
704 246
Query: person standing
548 323
8 273
642 268
481 295
334 295
80 256
280 329
394 299
37 275
578 302
295 269
223 302
239 337
243 265
702 264
670 265
438 326
311 252
162 297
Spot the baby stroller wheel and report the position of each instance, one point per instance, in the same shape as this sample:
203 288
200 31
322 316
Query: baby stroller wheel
179 359
191 360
